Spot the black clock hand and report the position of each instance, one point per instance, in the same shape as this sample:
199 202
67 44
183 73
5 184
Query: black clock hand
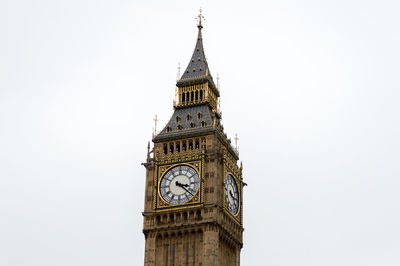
187 190
230 193
179 184
183 186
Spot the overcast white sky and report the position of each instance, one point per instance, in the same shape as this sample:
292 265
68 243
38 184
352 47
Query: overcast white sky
311 88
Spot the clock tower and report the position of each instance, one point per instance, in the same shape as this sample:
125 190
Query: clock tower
193 208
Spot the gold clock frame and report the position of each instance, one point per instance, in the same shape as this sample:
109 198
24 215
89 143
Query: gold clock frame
239 188
239 194
160 204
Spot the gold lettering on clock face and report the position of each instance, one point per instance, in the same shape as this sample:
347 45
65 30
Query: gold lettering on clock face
179 184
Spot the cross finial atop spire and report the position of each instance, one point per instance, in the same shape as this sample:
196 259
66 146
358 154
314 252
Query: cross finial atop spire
155 119
236 141
199 18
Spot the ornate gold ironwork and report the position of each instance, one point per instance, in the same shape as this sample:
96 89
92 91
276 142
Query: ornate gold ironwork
160 204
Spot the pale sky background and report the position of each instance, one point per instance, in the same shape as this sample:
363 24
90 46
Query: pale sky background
311 88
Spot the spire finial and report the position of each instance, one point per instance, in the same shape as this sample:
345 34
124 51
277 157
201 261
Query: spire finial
155 125
236 142
178 75
199 18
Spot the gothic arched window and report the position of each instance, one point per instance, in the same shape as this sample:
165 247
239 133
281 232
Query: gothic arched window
190 144
165 148
184 145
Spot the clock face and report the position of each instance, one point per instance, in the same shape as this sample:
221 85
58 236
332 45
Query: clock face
179 184
231 194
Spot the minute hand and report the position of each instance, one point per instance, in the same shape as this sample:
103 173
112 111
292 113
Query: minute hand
182 186
230 193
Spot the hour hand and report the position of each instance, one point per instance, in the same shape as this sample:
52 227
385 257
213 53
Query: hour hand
181 185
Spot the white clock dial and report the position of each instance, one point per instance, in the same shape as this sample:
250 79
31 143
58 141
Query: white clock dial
179 184
231 194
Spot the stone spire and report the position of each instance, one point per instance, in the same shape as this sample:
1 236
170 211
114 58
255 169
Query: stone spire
197 70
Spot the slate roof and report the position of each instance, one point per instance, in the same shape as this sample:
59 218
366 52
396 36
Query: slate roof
193 125
187 130
197 69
